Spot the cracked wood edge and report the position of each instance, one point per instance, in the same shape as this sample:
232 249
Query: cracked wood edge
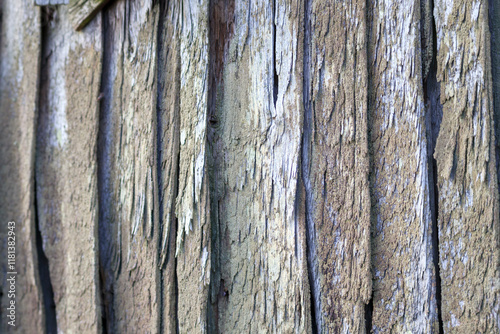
404 280
66 170
19 70
467 178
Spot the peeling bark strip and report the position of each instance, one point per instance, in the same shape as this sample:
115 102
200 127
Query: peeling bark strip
19 68
465 154
66 170
255 147
129 229
338 170
404 282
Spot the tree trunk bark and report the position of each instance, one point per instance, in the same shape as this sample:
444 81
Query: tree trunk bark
226 166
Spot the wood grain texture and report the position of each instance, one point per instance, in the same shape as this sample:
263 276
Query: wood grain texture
19 69
82 11
255 119
192 202
337 165
66 169
128 230
404 297
465 154
168 156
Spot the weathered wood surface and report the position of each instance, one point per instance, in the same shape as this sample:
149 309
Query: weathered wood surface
83 11
19 67
192 209
336 164
467 178
252 166
66 168
261 280
403 270
128 224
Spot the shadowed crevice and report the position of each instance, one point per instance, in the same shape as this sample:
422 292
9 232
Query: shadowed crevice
373 217
494 26
312 262
275 72
104 170
433 117
159 151
43 262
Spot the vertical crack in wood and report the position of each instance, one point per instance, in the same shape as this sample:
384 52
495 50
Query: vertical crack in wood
215 70
104 166
45 282
43 262
312 262
494 25
159 151
373 217
494 28
434 114
275 77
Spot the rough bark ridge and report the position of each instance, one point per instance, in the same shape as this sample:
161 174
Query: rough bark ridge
19 68
404 282
129 231
254 145
337 172
465 155
66 168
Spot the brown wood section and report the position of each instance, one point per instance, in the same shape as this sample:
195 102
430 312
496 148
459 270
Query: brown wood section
66 168
467 175
336 164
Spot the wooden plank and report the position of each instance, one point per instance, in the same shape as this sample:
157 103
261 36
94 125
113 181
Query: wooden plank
467 175
404 292
66 170
82 11
192 203
19 69
128 229
336 166
256 120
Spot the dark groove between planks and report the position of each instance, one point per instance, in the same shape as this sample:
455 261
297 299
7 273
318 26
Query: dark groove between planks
312 266
104 146
43 263
433 113
159 146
